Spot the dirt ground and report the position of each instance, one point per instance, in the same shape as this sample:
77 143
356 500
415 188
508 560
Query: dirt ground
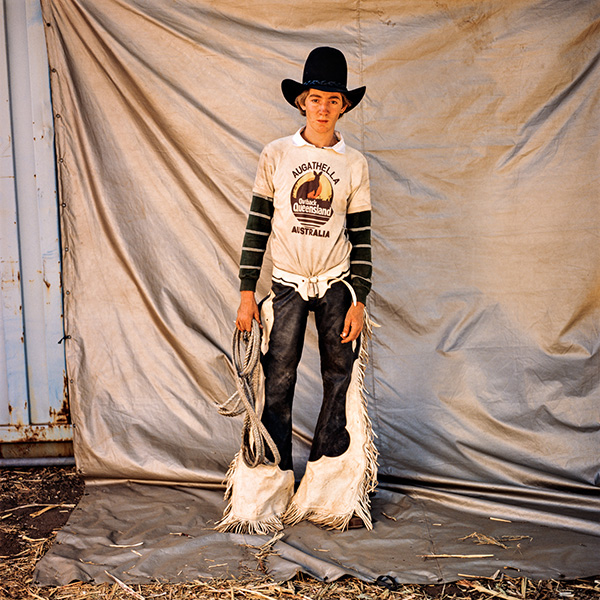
36 503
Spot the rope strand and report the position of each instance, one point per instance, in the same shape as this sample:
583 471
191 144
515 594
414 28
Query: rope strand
246 356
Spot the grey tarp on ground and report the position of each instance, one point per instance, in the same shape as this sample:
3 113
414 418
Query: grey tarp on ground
140 532
480 126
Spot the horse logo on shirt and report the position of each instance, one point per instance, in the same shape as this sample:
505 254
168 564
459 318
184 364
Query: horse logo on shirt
311 199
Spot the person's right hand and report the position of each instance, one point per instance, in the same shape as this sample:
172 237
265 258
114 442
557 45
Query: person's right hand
247 311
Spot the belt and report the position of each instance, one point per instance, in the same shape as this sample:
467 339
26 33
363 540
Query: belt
315 286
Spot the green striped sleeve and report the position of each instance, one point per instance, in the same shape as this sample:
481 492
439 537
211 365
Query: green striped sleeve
258 230
358 225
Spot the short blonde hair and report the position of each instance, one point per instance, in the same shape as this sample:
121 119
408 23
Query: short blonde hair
301 99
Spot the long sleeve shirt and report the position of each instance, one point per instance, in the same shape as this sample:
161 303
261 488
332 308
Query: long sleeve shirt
312 205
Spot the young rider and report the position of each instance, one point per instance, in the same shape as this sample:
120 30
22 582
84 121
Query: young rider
311 203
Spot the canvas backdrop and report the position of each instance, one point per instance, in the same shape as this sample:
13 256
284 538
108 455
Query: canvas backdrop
481 129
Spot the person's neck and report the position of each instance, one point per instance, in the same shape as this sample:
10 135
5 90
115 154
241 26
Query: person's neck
320 140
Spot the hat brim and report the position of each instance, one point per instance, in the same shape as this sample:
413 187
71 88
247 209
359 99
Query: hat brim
292 89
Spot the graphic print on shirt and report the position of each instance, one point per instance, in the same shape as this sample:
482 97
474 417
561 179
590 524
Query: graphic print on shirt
312 198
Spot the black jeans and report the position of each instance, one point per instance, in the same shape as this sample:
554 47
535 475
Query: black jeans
286 340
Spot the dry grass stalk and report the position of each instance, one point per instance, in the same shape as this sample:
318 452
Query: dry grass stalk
265 551
36 514
428 556
516 538
125 587
481 540
492 593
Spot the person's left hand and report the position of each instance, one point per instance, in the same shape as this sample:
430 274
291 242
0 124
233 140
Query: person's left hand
353 324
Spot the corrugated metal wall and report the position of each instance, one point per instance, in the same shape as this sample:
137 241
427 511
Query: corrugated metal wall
33 397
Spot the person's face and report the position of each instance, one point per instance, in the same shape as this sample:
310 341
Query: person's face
323 109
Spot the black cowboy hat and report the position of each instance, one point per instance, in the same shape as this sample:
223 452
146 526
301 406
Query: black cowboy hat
325 69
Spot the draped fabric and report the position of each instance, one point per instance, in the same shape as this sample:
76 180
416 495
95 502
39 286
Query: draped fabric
481 128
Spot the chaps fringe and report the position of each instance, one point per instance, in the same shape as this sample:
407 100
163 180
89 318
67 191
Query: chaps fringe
235 525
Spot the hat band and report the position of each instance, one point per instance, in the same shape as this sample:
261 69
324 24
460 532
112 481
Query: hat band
335 84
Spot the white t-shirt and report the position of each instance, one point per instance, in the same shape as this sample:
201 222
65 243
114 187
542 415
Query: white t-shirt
312 190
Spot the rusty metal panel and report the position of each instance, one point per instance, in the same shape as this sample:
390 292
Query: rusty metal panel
33 397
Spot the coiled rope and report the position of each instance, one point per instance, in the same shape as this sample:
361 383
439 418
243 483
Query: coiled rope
246 356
